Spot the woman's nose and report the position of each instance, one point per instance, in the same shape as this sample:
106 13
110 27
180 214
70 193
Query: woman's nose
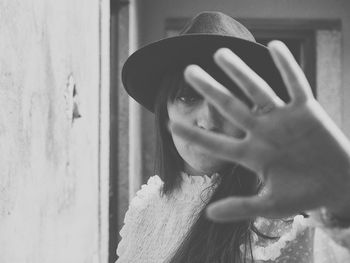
208 118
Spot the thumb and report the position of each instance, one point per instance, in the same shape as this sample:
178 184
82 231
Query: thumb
239 208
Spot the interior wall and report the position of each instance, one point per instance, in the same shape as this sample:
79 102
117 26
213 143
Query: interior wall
49 131
153 14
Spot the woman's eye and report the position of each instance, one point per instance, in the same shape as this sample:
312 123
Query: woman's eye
188 96
188 99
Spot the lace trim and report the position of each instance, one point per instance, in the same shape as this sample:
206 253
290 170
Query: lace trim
191 189
274 250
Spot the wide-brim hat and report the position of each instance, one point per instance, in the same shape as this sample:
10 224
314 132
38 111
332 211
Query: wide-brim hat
201 37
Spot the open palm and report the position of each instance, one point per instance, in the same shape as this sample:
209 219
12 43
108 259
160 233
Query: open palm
301 156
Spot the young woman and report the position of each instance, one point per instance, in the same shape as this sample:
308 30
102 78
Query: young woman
236 138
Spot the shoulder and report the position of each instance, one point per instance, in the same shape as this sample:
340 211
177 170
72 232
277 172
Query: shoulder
147 195
148 191
137 214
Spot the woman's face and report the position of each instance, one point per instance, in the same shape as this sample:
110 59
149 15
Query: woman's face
190 108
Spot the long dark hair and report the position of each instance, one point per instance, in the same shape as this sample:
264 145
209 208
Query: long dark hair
206 241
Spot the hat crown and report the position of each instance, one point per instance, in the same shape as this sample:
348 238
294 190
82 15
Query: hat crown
217 23
200 38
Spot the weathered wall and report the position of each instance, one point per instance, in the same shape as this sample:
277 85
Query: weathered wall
153 14
49 162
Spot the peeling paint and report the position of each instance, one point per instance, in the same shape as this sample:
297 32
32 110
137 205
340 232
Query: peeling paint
71 98
68 96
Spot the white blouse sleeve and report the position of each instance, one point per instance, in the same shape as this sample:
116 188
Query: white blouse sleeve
134 217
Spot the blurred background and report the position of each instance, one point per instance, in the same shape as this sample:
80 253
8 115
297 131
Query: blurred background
74 148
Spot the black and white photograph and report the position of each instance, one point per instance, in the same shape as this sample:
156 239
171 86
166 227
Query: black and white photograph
175 131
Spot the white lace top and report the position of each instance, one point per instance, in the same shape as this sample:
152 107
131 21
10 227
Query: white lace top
154 227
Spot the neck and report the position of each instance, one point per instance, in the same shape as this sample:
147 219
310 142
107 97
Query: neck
194 172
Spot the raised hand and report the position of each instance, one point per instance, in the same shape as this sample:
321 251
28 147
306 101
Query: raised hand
300 154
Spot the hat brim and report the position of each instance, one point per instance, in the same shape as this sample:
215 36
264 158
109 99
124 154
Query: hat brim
142 71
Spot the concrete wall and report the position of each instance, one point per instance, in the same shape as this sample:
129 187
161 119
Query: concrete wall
153 14
49 177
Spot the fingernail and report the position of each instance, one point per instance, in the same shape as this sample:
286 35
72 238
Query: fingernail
213 216
222 52
276 43
191 69
209 215
210 212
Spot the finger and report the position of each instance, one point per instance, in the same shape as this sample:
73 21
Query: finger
219 145
251 83
292 75
229 106
240 208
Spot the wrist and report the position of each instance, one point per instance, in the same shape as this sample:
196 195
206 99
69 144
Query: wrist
340 209
335 219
